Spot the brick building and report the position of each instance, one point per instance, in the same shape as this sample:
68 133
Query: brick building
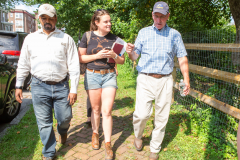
4 24
22 20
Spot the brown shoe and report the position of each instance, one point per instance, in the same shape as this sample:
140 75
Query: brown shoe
138 144
48 158
153 156
95 141
108 151
62 138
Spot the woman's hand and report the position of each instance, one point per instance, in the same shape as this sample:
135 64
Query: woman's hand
111 54
102 54
106 53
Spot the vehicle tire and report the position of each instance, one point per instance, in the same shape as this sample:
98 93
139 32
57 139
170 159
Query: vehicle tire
12 106
28 78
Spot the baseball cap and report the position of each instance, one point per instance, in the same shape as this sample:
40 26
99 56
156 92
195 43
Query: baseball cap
161 7
47 9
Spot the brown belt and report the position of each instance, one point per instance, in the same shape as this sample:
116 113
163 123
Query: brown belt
156 75
103 71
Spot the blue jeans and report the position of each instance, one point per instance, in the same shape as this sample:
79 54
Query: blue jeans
46 98
96 80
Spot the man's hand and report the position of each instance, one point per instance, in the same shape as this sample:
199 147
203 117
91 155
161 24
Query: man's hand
183 63
72 97
129 48
187 87
18 95
132 54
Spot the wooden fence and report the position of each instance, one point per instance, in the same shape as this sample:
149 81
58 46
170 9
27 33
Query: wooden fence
213 73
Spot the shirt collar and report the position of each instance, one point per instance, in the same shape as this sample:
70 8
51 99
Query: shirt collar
153 26
55 31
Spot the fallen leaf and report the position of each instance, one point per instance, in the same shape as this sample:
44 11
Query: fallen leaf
18 132
70 144
25 126
33 139
131 119
165 149
177 149
25 147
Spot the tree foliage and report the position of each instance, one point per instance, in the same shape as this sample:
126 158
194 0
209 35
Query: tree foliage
8 4
128 17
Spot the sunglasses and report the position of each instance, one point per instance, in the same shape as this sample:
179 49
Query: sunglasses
100 9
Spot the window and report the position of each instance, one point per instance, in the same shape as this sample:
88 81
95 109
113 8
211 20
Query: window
19 29
11 14
19 23
3 17
18 15
11 21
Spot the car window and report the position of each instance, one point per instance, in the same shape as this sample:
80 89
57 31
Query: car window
21 39
9 42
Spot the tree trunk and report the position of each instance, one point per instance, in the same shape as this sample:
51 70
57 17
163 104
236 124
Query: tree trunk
234 8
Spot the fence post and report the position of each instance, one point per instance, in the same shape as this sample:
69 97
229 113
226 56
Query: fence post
174 74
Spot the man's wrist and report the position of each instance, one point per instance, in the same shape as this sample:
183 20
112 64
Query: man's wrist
18 87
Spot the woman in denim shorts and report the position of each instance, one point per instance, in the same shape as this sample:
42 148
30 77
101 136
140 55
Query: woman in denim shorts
100 78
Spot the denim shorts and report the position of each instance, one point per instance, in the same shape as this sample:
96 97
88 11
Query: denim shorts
96 80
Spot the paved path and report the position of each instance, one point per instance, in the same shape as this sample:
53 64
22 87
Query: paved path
78 145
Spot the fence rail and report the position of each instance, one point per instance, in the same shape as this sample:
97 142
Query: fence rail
230 47
213 73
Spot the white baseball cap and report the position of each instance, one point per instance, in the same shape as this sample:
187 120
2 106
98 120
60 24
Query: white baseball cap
47 9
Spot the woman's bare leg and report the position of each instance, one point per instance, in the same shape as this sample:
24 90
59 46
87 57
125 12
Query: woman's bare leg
95 99
108 96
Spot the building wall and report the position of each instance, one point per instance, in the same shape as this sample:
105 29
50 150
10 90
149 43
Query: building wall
23 21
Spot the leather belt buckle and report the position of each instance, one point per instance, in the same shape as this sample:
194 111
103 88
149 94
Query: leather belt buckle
156 75
50 82
103 71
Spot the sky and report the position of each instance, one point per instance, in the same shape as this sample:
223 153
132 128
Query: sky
30 9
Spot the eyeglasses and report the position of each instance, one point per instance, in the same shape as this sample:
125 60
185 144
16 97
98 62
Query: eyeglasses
100 9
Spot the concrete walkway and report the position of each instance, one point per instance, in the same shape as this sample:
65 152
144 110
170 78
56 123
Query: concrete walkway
78 145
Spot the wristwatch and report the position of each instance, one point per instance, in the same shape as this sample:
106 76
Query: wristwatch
18 87
115 57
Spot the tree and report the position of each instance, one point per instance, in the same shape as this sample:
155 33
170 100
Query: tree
8 4
128 17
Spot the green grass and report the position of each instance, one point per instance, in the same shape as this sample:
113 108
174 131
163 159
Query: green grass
22 141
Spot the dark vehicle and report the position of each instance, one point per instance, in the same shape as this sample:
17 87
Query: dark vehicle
10 46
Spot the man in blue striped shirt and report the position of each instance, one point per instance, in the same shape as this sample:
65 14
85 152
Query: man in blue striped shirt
158 45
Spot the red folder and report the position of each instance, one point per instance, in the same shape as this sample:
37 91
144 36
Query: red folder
117 48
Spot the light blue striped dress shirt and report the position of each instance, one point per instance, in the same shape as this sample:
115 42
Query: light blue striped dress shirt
158 48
